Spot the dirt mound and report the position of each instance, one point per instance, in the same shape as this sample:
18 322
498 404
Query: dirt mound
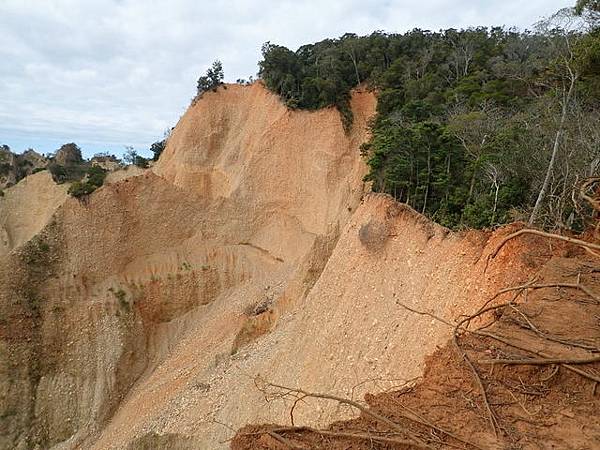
27 207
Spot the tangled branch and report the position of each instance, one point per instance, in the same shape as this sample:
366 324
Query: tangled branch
587 246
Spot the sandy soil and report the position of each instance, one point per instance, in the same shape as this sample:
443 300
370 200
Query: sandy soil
245 206
535 407
26 208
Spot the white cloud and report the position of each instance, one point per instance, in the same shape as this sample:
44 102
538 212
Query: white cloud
116 72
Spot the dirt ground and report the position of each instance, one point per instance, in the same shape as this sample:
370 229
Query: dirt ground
545 406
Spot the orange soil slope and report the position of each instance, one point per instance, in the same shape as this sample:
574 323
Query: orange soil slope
140 316
348 337
244 206
534 406
26 208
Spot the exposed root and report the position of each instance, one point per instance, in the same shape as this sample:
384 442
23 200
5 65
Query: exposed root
541 361
282 440
490 413
263 386
328 433
588 246
542 357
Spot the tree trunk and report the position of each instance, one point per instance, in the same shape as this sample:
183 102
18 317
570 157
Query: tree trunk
428 179
559 132
497 187
353 58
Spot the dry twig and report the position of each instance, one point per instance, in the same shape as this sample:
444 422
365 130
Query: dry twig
541 361
416 441
588 246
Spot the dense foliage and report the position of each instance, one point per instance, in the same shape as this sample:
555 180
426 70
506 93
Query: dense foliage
475 127
94 179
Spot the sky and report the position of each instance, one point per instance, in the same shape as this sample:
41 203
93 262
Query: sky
111 73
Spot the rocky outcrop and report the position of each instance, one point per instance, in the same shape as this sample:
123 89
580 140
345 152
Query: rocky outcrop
14 167
27 207
68 155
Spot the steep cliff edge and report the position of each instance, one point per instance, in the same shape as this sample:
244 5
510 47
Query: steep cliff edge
26 208
139 317
348 337
242 211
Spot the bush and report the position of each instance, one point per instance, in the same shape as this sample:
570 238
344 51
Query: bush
62 174
212 80
95 178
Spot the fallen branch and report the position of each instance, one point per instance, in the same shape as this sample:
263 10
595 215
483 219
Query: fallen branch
342 434
579 286
425 313
491 416
282 440
423 421
504 291
460 327
583 373
416 441
541 361
584 244
529 325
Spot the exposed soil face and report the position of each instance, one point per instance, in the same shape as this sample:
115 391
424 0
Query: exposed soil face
141 316
27 207
349 336
535 407
151 263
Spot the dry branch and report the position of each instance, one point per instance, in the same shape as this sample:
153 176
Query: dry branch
416 441
491 416
347 434
590 247
283 440
594 202
460 326
541 361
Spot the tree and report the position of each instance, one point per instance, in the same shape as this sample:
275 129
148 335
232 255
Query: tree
567 74
474 127
212 80
131 156
157 148
95 178
593 5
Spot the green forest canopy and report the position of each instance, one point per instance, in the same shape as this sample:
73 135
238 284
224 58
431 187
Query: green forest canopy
467 120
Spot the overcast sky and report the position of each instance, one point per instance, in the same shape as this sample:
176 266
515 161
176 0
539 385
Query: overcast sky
109 73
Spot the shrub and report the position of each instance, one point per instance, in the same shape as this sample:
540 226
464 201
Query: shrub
121 297
95 178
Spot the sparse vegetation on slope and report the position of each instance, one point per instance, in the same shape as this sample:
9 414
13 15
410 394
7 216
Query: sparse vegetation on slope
95 177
